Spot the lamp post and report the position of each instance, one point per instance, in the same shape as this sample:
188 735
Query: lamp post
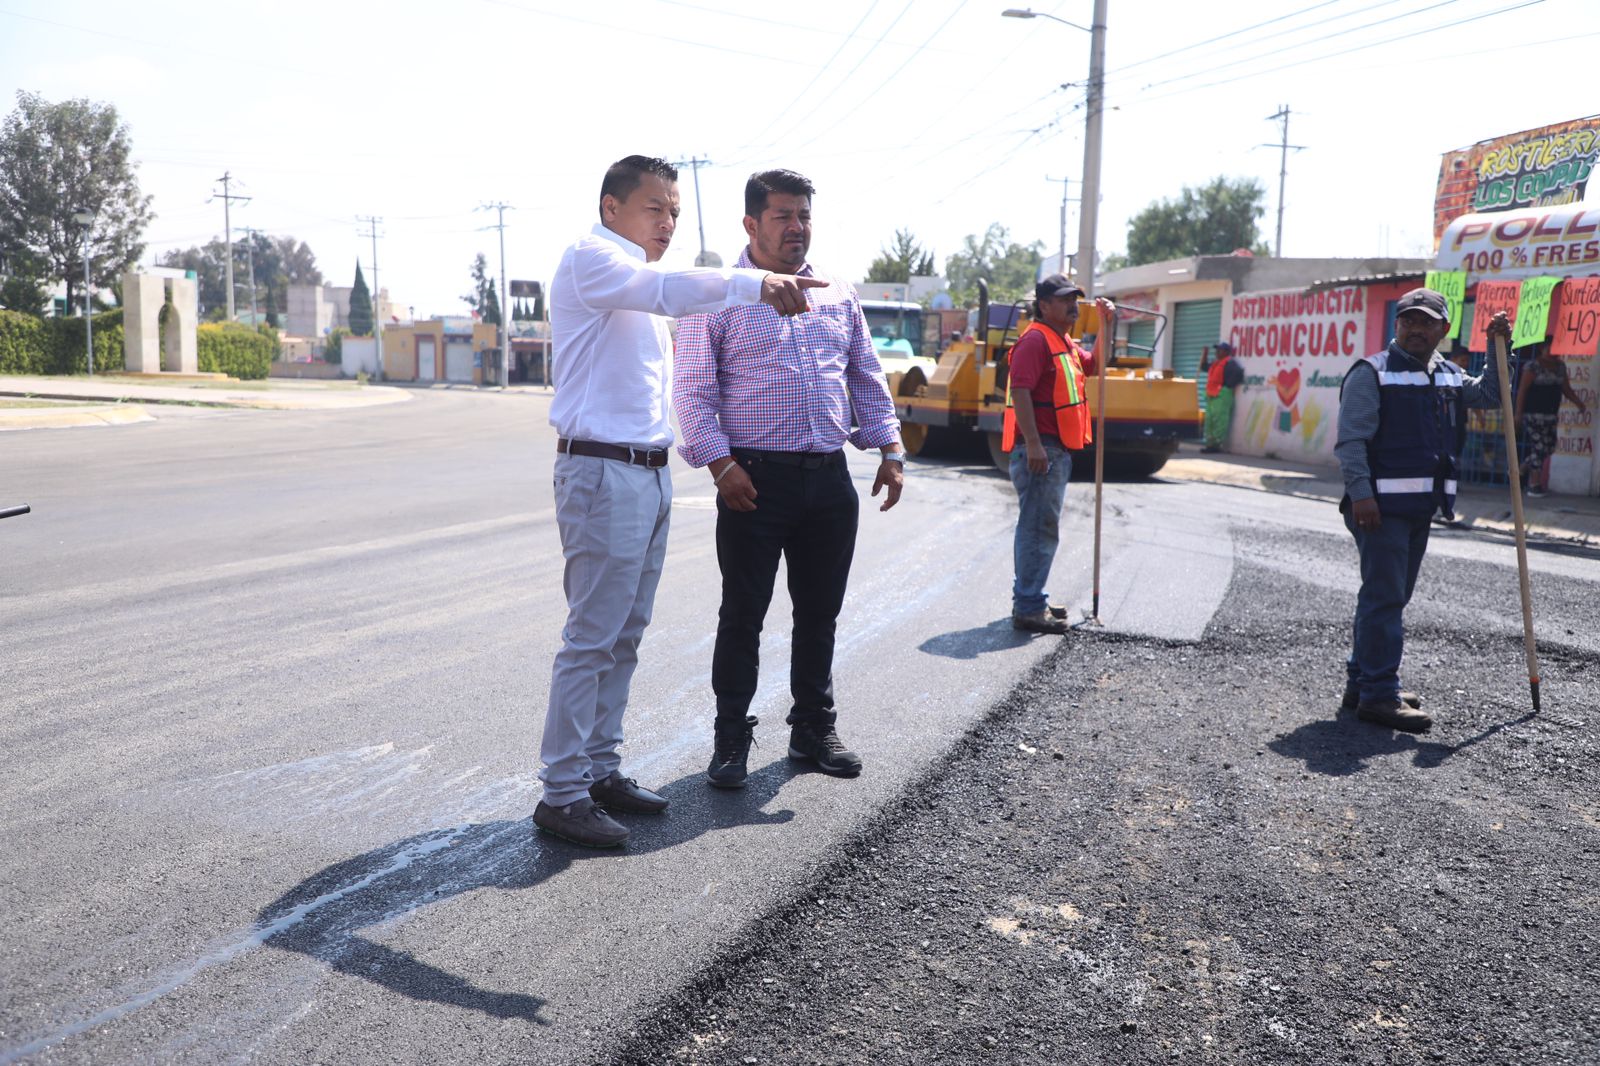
87 220
1094 109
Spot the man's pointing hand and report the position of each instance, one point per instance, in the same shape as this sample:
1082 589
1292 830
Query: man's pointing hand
786 293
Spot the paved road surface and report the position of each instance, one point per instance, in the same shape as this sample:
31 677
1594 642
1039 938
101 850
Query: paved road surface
274 683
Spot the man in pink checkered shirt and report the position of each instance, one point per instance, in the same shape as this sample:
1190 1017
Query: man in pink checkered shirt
767 404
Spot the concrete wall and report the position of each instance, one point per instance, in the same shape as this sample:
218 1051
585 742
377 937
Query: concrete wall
359 355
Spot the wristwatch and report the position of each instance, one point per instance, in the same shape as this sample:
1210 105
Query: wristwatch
895 457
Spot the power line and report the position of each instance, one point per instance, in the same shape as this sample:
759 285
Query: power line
617 27
1303 44
801 95
829 95
1222 37
897 71
1333 55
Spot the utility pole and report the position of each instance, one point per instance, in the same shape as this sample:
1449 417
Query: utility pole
250 261
227 199
1089 208
695 163
377 303
1066 198
1283 168
500 208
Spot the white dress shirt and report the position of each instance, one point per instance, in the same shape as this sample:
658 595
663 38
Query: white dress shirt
612 364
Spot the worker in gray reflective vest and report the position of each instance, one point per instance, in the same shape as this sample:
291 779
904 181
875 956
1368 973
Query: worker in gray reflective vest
1402 423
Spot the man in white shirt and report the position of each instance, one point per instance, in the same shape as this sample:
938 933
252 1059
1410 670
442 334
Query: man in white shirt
608 317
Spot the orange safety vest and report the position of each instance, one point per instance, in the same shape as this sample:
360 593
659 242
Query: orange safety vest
1072 412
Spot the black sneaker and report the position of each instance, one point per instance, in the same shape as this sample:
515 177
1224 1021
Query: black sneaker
821 744
730 751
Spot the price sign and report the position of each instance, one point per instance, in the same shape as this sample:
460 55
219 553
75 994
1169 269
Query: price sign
1577 324
1533 311
1452 285
1493 297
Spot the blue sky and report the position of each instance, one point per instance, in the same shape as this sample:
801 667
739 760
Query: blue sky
932 115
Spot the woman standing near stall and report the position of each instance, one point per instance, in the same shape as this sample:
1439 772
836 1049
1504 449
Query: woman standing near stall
1540 390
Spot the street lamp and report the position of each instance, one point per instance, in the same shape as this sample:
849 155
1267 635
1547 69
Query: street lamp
87 219
1094 109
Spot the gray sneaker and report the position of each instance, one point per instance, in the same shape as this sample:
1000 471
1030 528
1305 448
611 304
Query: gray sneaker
580 822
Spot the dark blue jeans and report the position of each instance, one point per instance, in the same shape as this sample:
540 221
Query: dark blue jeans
1391 555
1040 498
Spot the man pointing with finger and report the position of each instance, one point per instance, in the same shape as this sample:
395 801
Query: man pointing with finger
766 404
609 303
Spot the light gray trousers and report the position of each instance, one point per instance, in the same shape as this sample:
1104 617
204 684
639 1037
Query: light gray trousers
613 518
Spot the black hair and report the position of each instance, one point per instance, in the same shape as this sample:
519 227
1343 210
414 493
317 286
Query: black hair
766 182
622 177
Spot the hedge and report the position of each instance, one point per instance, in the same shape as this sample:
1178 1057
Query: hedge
236 350
33 345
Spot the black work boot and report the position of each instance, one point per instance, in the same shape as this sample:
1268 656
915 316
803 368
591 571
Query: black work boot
1352 698
821 744
730 751
1394 714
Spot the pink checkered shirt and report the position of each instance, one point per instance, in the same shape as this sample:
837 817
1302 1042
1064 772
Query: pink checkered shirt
747 377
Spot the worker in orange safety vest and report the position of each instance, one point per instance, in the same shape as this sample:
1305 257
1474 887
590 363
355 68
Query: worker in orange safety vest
1046 403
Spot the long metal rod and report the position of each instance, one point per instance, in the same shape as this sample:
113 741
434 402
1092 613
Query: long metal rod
1498 343
1102 345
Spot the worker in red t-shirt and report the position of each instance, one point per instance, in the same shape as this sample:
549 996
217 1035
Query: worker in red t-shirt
1048 410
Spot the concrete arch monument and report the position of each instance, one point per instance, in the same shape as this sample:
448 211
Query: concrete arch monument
143 296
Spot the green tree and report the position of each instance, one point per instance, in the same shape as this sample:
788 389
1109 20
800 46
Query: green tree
280 262
23 289
483 299
55 161
902 259
272 308
1214 219
1011 268
360 306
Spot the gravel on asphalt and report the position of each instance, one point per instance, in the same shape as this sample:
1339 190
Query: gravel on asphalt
1182 852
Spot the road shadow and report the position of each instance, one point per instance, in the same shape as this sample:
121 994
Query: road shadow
971 643
322 917
1341 746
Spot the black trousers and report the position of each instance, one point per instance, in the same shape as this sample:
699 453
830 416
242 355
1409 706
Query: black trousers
807 515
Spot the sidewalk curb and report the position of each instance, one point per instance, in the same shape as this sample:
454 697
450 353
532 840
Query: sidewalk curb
73 417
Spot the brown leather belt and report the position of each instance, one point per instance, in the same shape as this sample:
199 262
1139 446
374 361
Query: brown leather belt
651 457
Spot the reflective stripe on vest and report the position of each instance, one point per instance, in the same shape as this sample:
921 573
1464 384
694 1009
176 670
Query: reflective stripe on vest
1391 485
